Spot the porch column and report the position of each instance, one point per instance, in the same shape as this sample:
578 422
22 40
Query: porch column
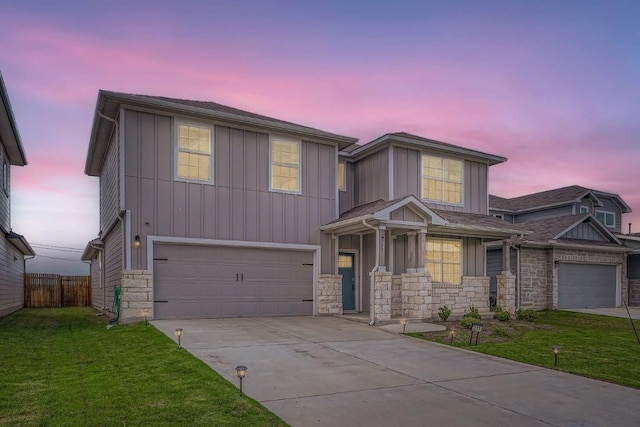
506 258
422 247
411 252
335 243
382 242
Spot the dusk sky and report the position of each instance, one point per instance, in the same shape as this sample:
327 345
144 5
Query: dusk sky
554 86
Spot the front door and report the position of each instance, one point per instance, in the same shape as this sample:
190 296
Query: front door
346 267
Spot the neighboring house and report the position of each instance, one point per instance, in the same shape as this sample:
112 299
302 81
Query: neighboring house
632 240
13 247
211 211
573 256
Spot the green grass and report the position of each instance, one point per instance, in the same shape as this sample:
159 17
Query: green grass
594 346
63 367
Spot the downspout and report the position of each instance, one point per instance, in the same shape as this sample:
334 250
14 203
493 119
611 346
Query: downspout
372 294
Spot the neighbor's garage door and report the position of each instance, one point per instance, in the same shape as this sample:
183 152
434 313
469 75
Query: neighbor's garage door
586 285
193 281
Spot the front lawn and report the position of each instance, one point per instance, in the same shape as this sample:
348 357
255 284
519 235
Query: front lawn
593 346
64 367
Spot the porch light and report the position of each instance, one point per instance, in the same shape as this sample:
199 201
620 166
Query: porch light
136 241
403 322
145 313
556 350
179 334
241 371
452 334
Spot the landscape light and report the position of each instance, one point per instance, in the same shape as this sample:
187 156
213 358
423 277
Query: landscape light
145 313
179 334
403 322
241 371
452 334
556 350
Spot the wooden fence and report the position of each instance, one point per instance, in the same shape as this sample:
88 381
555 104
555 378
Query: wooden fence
54 290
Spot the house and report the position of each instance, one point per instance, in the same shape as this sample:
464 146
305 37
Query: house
211 211
573 256
13 247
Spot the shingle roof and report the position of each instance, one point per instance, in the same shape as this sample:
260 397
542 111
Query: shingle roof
472 219
544 198
547 229
366 209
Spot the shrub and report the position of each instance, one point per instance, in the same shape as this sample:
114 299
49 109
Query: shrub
500 331
527 315
473 312
467 321
444 312
502 316
473 309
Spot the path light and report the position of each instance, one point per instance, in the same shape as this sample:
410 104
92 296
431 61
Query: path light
145 313
556 350
241 371
179 334
452 334
403 322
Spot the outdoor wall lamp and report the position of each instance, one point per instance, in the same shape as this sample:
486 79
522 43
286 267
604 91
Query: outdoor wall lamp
556 350
136 241
179 334
145 313
403 322
241 371
452 334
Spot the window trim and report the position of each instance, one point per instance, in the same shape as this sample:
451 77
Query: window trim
584 209
298 142
342 186
613 215
462 180
176 152
461 264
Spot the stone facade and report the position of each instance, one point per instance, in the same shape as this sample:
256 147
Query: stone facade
329 294
396 296
382 295
416 295
136 295
634 292
474 290
506 299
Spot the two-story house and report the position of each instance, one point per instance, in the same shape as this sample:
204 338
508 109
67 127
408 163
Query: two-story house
211 211
573 256
13 247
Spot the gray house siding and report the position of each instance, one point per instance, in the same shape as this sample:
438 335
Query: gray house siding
113 266
611 206
109 186
5 200
97 287
238 205
407 177
11 278
372 178
584 231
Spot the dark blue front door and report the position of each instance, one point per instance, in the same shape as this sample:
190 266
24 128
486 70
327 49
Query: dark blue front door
346 267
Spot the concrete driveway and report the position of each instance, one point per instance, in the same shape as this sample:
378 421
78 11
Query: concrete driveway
634 312
320 371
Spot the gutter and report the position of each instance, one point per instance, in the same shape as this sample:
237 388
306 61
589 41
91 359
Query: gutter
555 244
372 294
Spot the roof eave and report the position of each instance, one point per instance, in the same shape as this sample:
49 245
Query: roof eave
20 243
9 130
564 245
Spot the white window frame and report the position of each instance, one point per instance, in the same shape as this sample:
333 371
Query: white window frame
298 142
176 152
585 209
342 186
424 259
462 180
604 221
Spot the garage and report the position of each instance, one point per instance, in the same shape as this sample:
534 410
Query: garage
586 285
196 281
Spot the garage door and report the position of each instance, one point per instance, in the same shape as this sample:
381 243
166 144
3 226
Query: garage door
586 285
193 281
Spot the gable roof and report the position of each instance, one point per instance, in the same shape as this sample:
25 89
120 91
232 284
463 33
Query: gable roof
9 130
554 197
554 228
421 142
108 104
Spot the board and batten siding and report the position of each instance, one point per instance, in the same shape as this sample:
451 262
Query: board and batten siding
109 186
5 199
372 178
11 278
584 231
611 206
238 205
347 198
408 174
113 266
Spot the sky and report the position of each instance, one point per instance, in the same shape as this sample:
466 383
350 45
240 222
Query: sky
552 85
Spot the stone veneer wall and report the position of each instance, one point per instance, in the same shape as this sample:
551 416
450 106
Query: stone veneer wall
382 295
533 278
136 295
474 290
634 292
396 296
506 293
329 294
416 295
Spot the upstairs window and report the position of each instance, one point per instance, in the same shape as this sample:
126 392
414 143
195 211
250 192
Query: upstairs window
584 209
194 153
285 165
342 184
443 260
441 180
607 218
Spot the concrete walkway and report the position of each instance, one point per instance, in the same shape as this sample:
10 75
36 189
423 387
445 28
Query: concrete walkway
320 371
614 312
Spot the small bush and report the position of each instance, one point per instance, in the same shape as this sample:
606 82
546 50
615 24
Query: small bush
527 315
444 312
473 309
502 316
501 331
467 321
473 312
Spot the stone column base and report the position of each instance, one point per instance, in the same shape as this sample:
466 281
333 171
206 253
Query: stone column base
506 293
136 295
329 294
416 295
382 295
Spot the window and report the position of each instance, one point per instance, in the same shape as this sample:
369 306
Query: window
194 153
607 218
285 165
584 209
441 179
345 261
443 260
342 184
